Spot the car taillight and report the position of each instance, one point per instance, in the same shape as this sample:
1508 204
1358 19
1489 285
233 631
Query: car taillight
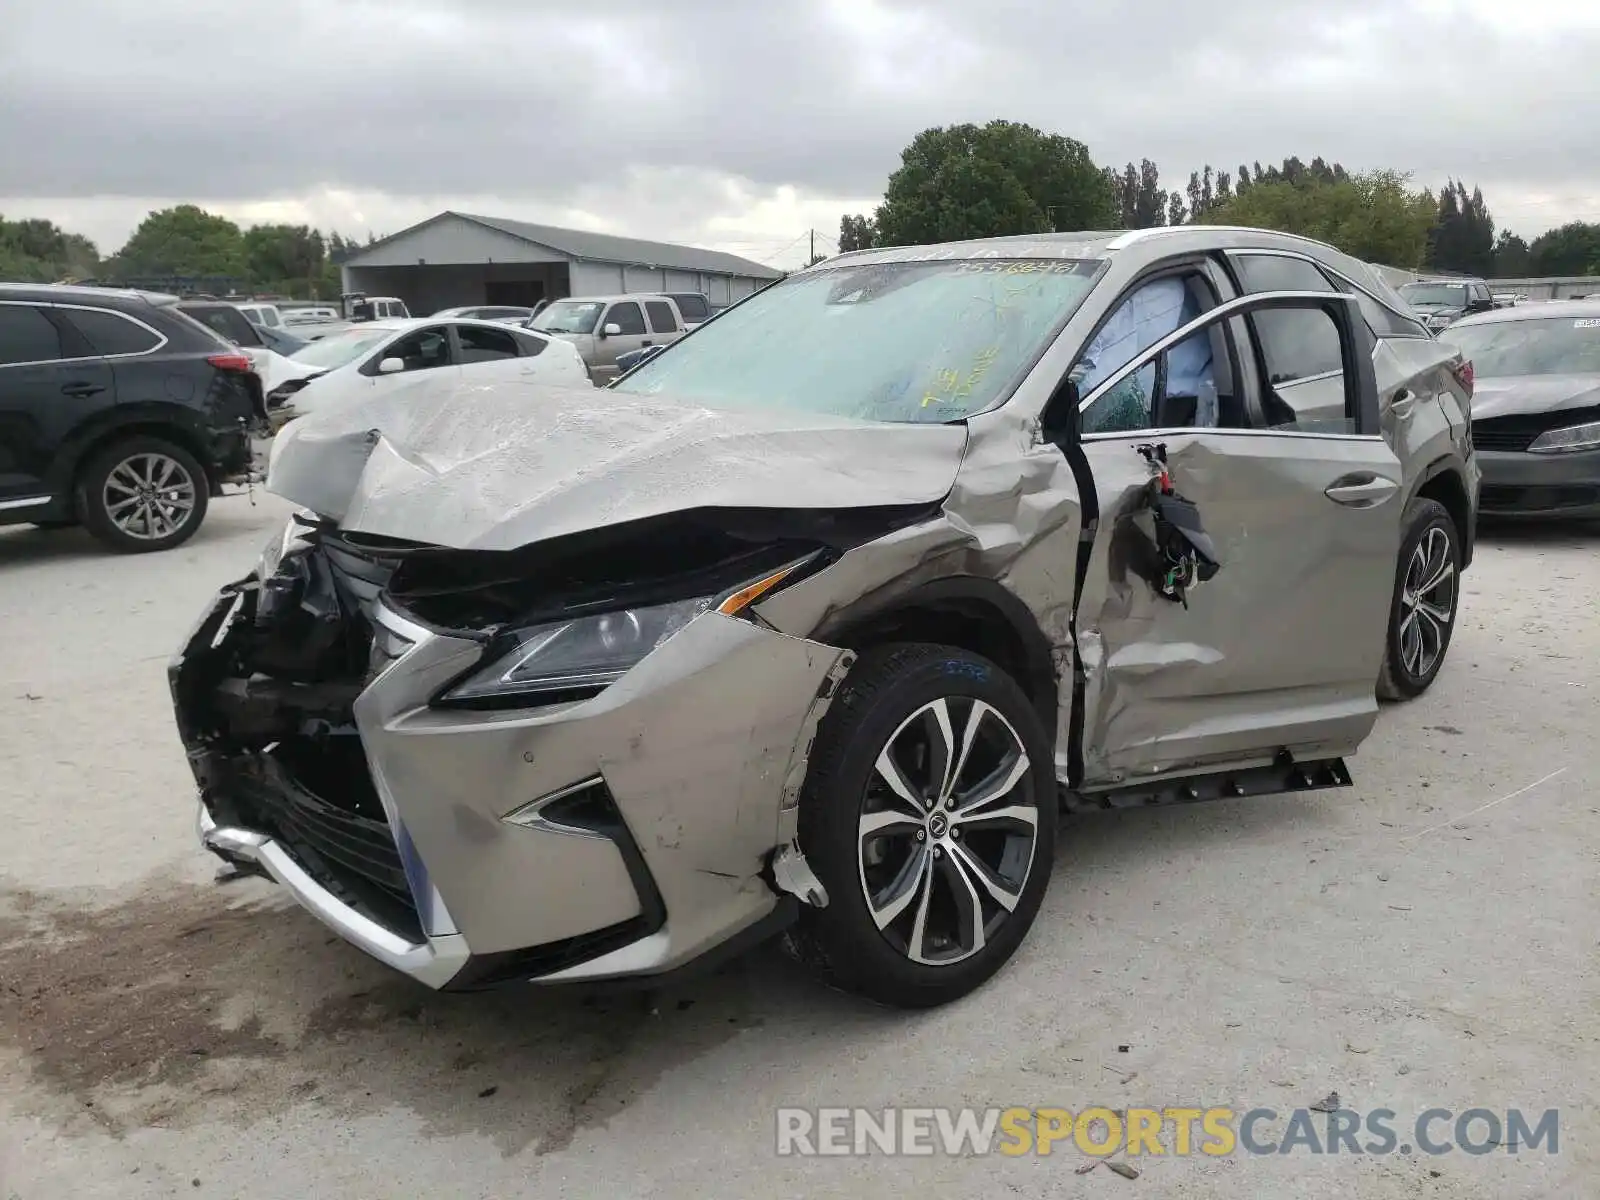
1464 374
231 362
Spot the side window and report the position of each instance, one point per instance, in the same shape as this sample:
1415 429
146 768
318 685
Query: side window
270 317
1304 389
661 317
422 350
626 317
1296 343
531 345
484 345
694 308
1176 388
109 332
27 336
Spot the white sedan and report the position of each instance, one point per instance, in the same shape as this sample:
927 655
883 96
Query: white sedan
366 359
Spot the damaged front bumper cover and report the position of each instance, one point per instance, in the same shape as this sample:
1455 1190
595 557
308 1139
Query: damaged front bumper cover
666 805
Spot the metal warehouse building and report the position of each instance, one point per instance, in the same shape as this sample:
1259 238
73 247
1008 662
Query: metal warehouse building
456 259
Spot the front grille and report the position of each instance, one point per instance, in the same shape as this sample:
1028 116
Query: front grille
1515 434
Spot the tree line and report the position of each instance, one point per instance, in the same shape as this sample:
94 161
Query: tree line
185 242
965 181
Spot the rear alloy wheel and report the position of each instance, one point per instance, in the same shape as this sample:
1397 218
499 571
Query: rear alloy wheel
1422 617
929 815
143 495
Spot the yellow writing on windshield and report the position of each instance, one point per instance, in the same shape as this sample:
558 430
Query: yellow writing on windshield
956 385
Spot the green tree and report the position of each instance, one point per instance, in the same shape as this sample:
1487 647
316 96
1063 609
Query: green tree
1463 235
856 233
1511 258
987 181
185 240
38 251
283 257
1373 216
1573 249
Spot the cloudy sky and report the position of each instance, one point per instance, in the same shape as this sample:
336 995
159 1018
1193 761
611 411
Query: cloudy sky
742 124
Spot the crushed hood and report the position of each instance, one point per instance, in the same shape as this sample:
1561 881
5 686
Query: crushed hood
500 466
1520 395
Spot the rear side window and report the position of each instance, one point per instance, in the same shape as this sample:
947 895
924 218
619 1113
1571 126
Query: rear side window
626 317
109 332
661 318
484 345
531 346
695 308
27 336
1296 343
229 322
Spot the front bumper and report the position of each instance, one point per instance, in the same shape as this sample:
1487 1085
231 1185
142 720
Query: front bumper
625 835
1539 485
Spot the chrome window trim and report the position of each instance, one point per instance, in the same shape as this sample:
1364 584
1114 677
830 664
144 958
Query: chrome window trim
1175 430
1335 272
161 338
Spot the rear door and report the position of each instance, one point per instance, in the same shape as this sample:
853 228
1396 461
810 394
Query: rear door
1279 651
627 317
664 324
50 381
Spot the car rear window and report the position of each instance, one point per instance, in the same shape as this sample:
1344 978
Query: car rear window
109 332
692 305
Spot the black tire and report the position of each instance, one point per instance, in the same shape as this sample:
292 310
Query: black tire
133 460
1410 666
843 942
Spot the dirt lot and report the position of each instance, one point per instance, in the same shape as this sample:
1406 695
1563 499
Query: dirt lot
1425 939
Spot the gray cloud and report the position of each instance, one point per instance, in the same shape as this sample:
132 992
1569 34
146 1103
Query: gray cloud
554 104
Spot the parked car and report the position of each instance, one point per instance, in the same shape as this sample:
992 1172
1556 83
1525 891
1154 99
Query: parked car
603 328
812 623
1442 302
360 308
269 348
371 358
118 412
503 313
1536 412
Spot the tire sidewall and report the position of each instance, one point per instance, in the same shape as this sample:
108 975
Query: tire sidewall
1424 515
855 733
91 495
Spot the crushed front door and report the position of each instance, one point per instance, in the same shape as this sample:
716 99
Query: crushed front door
1281 648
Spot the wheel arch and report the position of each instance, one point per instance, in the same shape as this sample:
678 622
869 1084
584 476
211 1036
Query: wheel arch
89 442
1444 481
968 612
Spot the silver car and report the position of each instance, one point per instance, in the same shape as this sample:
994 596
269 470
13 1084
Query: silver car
815 623
1536 415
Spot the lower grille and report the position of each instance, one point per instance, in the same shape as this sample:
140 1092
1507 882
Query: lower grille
344 849
1494 498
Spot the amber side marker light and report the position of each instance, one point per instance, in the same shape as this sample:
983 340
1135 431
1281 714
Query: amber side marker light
746 596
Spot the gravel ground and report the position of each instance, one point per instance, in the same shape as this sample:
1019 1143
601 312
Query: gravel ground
1424 939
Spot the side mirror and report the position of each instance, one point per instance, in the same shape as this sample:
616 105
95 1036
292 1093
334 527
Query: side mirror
612 329
391 366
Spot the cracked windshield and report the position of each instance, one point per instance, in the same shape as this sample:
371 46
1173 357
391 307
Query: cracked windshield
903 342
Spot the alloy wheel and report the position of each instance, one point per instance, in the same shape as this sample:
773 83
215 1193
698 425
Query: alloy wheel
947 830
149 496
1427 602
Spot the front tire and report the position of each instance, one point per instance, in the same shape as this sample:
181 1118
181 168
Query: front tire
929 814
1427 592
143 495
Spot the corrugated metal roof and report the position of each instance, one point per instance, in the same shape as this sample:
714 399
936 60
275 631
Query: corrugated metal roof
607 248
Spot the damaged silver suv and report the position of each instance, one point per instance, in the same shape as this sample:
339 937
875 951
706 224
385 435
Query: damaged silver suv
815 622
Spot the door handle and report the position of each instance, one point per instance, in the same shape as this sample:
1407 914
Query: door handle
1362 490
79 391
1403 403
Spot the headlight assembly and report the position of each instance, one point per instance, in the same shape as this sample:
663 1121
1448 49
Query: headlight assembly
1565 441
283 543
588 653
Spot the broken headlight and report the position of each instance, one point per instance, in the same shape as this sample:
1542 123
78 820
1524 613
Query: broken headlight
581 656
286 541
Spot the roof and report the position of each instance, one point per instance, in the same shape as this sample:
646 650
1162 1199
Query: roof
601 247
63 293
